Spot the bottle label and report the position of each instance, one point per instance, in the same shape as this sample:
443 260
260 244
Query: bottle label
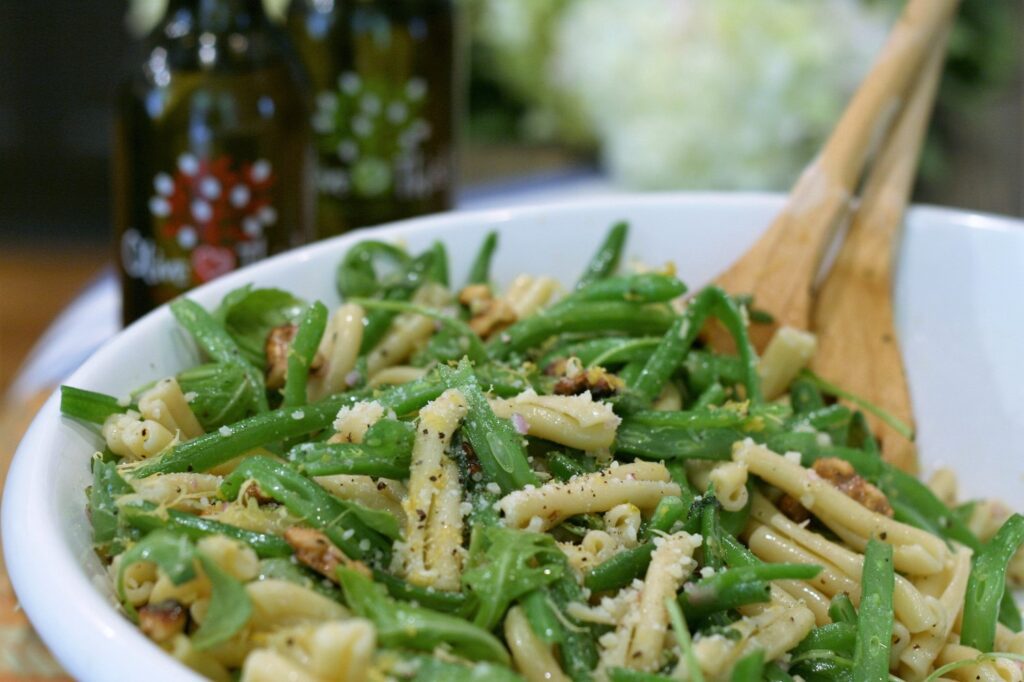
208 216
371 136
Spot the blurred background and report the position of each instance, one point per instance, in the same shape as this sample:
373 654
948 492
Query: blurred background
659 95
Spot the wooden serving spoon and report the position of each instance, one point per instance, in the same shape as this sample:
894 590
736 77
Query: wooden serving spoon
779 270
853 311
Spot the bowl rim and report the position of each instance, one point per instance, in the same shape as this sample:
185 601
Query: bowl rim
88 626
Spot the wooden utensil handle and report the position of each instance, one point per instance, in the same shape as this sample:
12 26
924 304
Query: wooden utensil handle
781 267
853 314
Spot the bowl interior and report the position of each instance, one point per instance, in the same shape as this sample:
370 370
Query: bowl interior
958 317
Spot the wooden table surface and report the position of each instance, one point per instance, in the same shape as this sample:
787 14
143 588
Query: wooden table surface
36 283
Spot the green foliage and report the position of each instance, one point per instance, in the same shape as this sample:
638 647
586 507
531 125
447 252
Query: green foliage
507 564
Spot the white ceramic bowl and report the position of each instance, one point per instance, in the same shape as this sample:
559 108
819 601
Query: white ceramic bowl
960 319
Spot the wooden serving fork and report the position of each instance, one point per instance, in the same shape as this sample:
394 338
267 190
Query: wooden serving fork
853 311
780 269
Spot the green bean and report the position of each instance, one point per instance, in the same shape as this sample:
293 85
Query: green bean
704 368
619 569
733 587
301 352
661 443
860 435
148 517
643 288
823 666
629 374
438 600
897 425
839 637
683 332
576 640
682 635
540 613
495 442
750 592
563 467
750 668
669 510
588 350
987 584
439 265
677 470
329 459
804 396
310 502
767 418
402 625
875 617
733 522
841 609
89 406
586 316
606 260
480 270
474 347
632 350
209 450
735 554
711 531
218 344
712 395
385 452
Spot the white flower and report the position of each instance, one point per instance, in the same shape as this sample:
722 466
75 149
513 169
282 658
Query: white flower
687 93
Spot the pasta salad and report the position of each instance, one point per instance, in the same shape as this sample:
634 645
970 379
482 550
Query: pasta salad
442 481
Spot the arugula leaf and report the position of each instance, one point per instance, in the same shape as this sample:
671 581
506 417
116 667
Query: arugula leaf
223 393
249 314
280 568
413 627
172 552
357 274
107 484
383 522
508 564
229 610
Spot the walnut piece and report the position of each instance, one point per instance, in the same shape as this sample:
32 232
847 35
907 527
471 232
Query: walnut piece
487 314
160 622
314 549
792 508
279 340
842 475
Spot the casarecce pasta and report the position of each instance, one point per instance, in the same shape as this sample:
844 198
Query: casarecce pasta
528 484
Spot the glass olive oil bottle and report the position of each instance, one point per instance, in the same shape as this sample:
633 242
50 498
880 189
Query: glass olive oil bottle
382 72
213 153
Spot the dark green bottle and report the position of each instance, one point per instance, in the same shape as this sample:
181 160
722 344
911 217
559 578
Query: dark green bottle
382 73
213 152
